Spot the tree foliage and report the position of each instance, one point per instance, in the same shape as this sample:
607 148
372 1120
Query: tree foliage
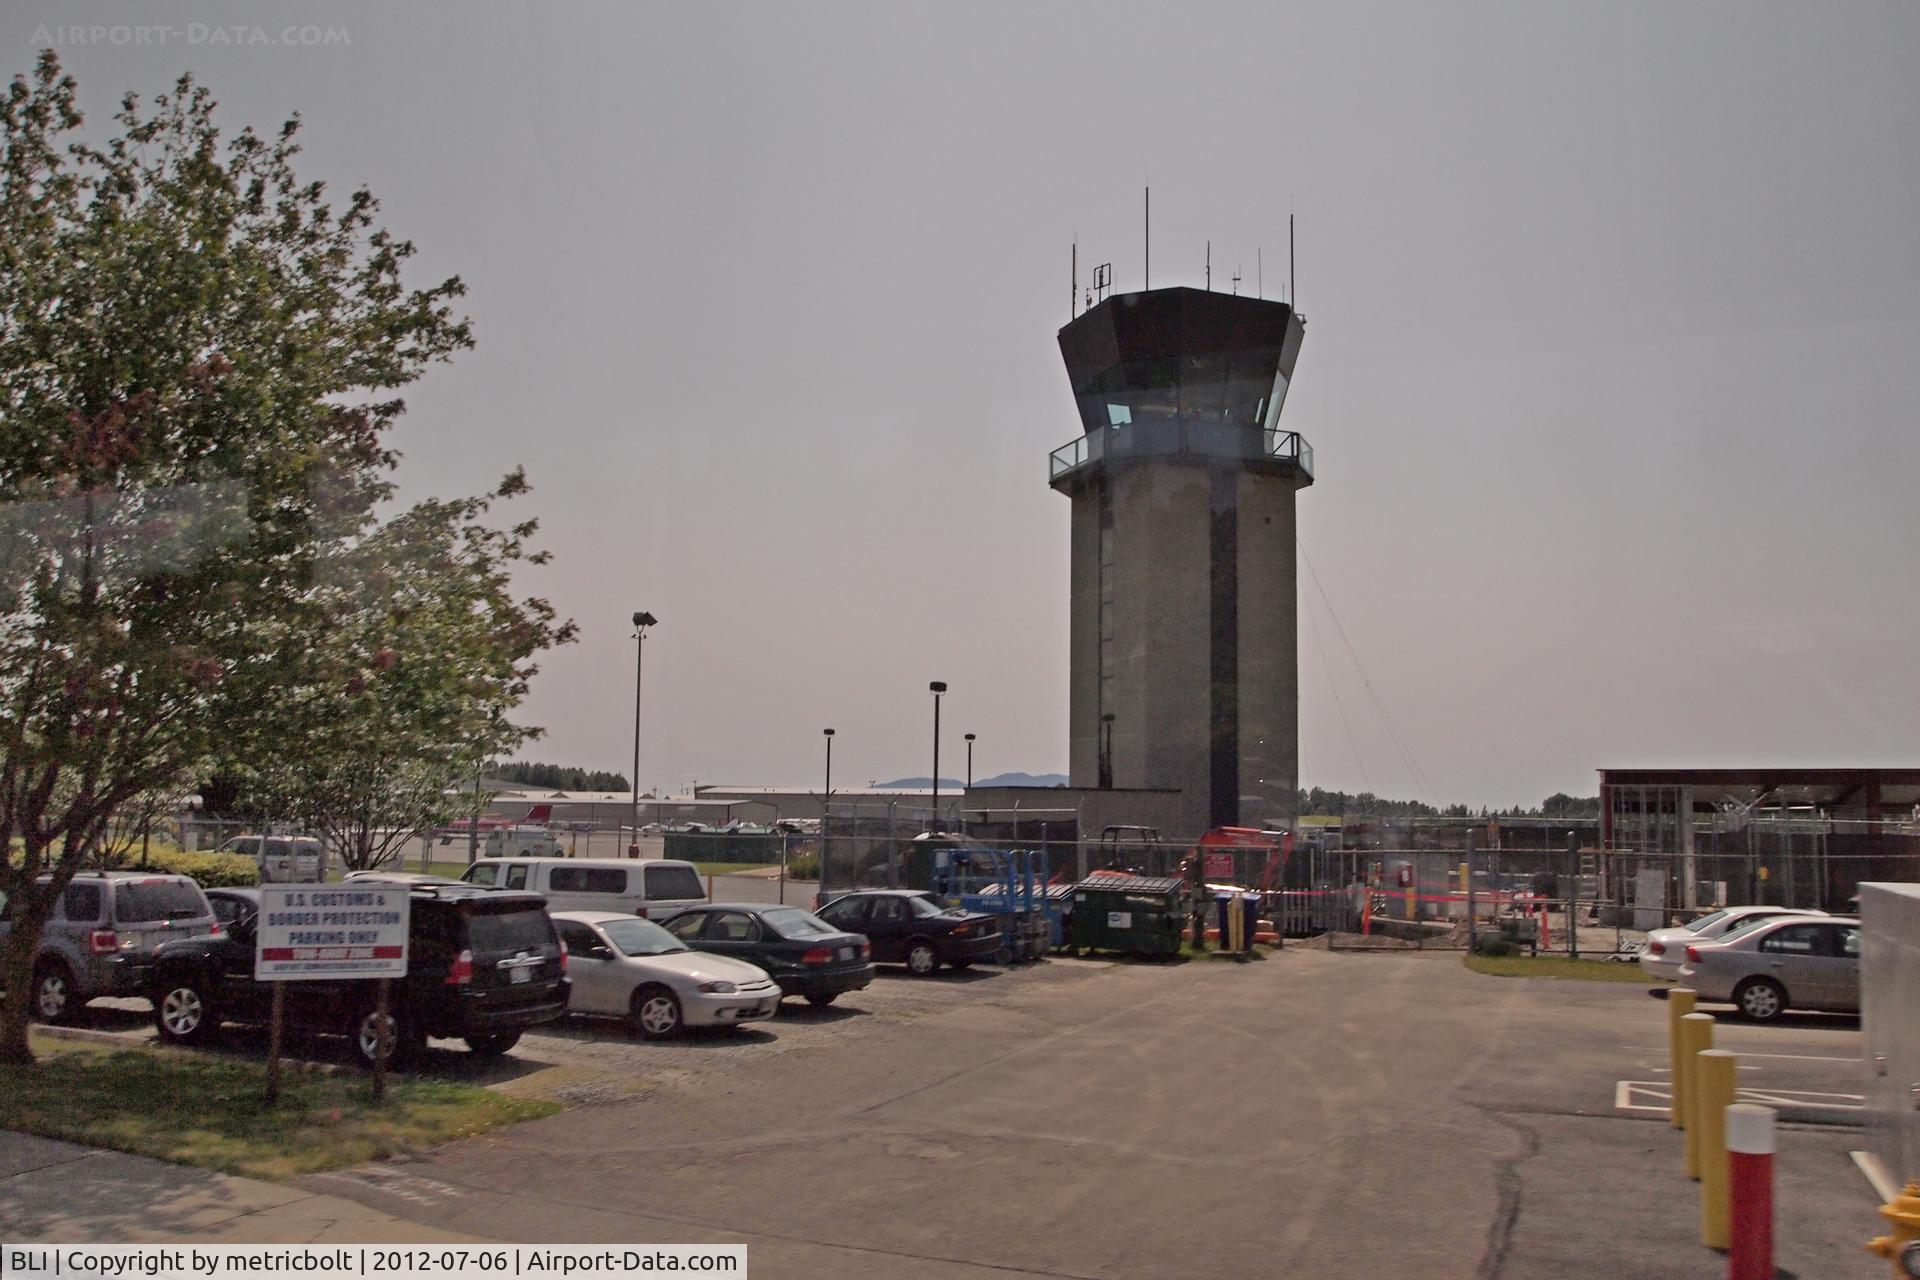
408 692
200 355
1316 802
560 777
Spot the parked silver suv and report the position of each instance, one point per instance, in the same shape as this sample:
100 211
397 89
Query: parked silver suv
102 934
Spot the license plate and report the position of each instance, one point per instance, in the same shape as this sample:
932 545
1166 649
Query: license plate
520 975
846 953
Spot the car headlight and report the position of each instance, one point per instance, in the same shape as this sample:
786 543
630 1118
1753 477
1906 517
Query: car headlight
718 988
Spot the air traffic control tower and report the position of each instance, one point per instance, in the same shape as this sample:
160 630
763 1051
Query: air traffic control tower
1185 663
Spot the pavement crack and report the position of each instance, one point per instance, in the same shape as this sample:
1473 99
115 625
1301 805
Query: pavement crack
1506 1179
50 1164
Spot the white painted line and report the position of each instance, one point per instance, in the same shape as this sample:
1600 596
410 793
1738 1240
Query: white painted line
1792 1057
1654 1095
1876 1173
1798 1097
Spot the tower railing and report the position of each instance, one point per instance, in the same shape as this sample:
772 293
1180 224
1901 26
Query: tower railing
1175 438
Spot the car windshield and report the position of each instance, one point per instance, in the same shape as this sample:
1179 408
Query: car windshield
1706 922
637 937
791 922
149 900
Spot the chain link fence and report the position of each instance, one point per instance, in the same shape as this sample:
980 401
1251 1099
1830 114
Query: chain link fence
1564 901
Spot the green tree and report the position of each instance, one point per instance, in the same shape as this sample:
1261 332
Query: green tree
408 693
199 355
1562 805
559 777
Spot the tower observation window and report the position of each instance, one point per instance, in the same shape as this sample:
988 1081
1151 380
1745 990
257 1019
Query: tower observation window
1234 388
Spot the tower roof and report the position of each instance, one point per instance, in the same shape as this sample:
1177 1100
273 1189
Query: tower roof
1162 324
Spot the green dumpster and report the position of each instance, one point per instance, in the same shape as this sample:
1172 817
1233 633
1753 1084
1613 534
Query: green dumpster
1141 915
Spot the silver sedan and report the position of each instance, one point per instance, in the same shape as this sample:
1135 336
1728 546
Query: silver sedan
1797 962
1666 949
624 966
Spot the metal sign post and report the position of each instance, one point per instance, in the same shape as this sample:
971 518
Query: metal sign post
276 1021
384 1043
318 932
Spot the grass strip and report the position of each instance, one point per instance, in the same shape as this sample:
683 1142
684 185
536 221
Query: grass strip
211 1111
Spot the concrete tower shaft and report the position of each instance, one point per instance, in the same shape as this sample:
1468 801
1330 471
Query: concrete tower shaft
1184 637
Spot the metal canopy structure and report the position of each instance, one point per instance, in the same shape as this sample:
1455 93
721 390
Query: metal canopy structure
1792 837
1829 790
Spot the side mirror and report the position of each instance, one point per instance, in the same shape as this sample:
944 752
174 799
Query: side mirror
601 953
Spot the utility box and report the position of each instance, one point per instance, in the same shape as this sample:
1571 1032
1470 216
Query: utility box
1890 1019
1140 915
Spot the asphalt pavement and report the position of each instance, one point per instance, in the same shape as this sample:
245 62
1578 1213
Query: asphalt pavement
1317 1114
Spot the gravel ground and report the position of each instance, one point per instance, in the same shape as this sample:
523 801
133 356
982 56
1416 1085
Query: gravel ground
584 1061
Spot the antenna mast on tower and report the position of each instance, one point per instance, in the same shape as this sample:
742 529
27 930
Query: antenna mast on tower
1148 272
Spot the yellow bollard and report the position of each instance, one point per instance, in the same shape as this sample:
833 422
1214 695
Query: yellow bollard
1696 1035
1902 1244
1679 1005
1713 1076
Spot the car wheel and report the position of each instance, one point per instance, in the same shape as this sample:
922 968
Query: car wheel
1760 999
656 1013
54 998
821 1001
402 1042
921 959
493 1046
183 1014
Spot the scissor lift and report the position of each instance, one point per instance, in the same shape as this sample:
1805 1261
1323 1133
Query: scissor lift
1009 884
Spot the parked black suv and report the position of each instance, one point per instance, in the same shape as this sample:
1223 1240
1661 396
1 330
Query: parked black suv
482 966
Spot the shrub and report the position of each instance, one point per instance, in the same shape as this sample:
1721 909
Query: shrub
804 866
212 870
1496 947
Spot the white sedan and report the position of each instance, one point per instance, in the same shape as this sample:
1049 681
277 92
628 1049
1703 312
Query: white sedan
626 967
1666 949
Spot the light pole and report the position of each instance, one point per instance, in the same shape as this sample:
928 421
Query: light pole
641 621
969 762
936 687
826 811
1106 751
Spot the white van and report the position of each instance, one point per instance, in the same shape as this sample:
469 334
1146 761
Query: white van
520 842
656 887
283 859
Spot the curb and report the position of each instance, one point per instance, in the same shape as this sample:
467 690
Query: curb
121 1040
87 1035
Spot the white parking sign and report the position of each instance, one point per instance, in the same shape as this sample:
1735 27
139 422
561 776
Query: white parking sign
331 931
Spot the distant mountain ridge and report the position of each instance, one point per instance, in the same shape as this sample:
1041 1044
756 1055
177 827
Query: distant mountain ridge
997 780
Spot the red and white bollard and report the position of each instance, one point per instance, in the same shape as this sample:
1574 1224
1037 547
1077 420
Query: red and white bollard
1750 1192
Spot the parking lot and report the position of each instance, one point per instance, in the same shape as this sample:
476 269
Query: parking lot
1316 1114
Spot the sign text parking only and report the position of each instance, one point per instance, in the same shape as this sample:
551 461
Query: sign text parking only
331 931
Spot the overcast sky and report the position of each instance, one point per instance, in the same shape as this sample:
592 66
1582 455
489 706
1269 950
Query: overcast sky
1611 369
